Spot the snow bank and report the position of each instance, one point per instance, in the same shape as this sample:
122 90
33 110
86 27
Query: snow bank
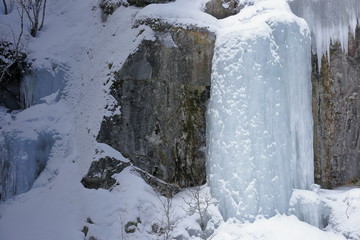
275 228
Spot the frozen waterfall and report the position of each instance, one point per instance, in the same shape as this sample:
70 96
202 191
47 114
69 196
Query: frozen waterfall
28 136
21 161
259 117
41 83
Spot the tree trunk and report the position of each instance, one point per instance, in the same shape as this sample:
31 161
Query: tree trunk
5 7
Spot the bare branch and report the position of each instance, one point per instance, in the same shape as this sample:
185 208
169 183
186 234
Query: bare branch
6 71
5 7
199 203
43 16
21 15
169 219
33 9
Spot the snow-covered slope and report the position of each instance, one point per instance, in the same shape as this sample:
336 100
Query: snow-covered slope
73 39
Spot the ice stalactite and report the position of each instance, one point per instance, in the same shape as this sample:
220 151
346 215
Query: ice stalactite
41 83
330 21
259 118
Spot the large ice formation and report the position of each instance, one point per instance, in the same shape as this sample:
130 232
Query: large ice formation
21 161
259 117
41 83
330 21
27 137
310 207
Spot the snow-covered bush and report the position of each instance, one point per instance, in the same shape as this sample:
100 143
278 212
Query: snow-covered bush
12 62
109 6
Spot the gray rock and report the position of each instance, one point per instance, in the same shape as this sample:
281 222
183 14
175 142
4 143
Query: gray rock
161 187
336 111
13 65
141 3
130 227
108 7
101 172
223 8
162 90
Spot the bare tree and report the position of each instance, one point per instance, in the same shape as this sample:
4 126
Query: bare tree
5 7
35 11
14 49
8 6
199 202
13 62
169 218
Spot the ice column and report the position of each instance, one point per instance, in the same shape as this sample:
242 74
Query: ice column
41 83
28 136
21 162
259 117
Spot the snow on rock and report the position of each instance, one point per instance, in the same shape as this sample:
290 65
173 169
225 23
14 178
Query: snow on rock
183 12
259 120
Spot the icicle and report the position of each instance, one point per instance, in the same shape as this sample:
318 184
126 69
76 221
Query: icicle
330 21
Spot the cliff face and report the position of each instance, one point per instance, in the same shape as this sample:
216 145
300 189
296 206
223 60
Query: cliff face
336 111
162 91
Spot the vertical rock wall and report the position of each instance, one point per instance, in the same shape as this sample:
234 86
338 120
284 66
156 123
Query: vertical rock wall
162 90
336 111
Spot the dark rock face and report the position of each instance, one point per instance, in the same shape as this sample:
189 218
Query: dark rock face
223 8
336 111
12 66
162 90
141 3
100 173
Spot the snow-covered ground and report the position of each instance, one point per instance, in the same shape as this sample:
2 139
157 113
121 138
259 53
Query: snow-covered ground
77 42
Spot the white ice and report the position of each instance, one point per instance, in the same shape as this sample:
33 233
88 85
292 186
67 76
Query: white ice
330 21
40 83
259 118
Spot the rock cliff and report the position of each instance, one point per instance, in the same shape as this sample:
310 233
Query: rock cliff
162 90
336 111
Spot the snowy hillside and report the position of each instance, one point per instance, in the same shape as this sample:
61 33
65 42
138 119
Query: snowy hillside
74 59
